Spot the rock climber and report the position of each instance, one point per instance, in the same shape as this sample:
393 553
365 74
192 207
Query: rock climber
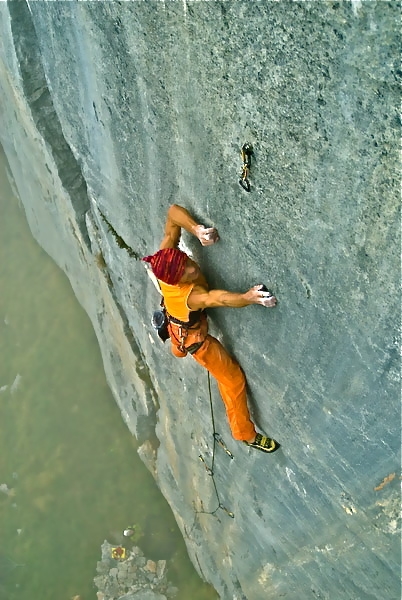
186 295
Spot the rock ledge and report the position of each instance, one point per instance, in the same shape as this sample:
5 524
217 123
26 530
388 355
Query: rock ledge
132 578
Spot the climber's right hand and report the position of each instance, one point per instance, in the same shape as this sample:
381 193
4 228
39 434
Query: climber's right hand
256 295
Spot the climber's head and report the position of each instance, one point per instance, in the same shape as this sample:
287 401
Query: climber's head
169 265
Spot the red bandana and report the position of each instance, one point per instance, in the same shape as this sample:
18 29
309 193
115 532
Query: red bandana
168 264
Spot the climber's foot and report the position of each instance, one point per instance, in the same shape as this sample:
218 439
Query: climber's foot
263 443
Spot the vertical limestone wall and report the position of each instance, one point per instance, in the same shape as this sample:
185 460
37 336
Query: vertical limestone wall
121 108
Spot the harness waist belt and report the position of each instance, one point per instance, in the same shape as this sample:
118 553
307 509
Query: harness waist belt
195 317
194 347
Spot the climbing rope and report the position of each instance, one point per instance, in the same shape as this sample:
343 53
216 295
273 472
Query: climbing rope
246 153
210 470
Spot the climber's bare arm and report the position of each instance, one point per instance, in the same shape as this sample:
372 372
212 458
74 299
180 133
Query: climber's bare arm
201 298
178 218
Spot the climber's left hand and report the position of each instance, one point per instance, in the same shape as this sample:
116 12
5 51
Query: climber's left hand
206 235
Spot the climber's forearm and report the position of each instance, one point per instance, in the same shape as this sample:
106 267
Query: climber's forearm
216 298
179 218
201 298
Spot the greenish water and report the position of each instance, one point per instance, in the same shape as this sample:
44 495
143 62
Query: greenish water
69 473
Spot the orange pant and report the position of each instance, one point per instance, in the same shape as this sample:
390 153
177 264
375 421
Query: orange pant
227 372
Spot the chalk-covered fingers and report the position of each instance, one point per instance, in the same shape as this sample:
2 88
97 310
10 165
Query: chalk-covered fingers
206 235
258 296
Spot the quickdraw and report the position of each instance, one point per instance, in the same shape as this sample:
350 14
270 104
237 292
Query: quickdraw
222 444
208 469
228 512
246 153
183 333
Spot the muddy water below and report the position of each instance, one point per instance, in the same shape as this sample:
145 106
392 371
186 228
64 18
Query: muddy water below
69 473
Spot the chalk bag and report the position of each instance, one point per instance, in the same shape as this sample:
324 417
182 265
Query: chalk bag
160 323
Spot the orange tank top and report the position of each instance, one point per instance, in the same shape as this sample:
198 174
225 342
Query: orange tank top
175 297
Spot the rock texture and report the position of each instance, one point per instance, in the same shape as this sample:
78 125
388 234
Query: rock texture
125 107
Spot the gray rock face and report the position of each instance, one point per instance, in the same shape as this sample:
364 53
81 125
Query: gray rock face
124 108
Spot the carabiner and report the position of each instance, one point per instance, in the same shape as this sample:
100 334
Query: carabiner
228 512
245 184
208 470
246 153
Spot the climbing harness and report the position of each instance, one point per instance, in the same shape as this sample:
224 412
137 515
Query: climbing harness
183 333
246 153
184 329
210 470
160 321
